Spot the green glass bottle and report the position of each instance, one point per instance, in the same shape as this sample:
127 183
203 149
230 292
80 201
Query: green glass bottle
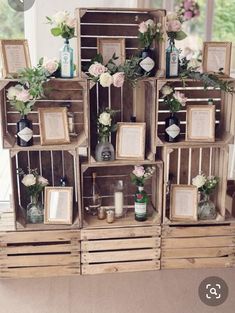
141 200
66 59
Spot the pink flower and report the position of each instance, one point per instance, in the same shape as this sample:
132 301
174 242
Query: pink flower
139 171
180 97
173 26
50 65
70 22
118 79
143 27
188 4
23 96
96 69
188 15
43 181
196 13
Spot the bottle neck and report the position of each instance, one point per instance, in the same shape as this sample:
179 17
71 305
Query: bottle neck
66 41
140 188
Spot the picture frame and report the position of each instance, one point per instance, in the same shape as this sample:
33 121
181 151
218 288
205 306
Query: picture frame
53 124
200 123
108 46
183 203
58 205
15 56
217 55
130 141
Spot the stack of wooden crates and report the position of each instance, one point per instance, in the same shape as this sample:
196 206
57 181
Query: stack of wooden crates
91 246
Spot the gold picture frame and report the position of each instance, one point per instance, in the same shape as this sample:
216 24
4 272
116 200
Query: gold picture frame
217 55
58 205
183 203
200 123
53 124
15 56
130 141
108 46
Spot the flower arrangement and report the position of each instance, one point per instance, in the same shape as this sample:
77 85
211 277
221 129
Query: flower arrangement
106 124
205 184
140 174
189 9
175 100
148 31
34 182
63 25
174 26
21 99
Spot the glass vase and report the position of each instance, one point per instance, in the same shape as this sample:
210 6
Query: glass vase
35 212
104 150
206 208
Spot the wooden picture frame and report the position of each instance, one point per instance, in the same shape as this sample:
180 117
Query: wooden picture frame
58 205
200 123
53 124
15 56
108 46
183 203
217 55
130 141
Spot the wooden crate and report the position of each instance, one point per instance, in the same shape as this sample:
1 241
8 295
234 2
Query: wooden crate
120 250
39 254
58 92
51 164
139 102
182 163
197 95
107 175
198 247
7 217
96 23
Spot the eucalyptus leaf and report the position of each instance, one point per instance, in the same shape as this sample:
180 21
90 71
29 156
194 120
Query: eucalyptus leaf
180 35
56 31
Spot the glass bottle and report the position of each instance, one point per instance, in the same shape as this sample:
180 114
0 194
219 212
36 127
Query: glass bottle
94 197
66 59
24 132
35 212
206 208
172 128
147 63
141 200
104 150
172 60
118 199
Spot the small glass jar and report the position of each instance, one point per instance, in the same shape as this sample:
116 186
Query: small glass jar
110 216
101 213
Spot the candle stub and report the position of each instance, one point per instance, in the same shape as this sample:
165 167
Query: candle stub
110 216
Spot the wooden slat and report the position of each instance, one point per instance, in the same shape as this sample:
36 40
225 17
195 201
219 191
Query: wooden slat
197 263
179 232
120 267
197 252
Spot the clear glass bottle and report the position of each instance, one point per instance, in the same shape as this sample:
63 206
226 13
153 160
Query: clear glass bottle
95 199
104 150
118 199
206 208
66 59
172 60
35 212
141 200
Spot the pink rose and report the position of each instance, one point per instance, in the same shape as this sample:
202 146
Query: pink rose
70 22
50 65
173 26
43 181
188 4
23 96
196 13
139 171
188 15
96 69
180 97
118 79
143 27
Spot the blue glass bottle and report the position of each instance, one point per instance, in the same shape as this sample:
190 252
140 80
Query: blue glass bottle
172 60
66 59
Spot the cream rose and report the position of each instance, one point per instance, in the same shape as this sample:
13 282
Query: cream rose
96 69
13 92
43 181
106 79
23 96
166 90
70 22
50 65
173 26
60 17
193 63
150 23
139 171
172 16
143 27
118 79
105 119
29 180
199 181
180 97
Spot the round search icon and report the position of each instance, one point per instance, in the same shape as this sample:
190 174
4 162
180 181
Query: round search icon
213 291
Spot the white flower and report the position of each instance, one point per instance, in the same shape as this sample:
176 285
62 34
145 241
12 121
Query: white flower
150 23
166 90
13 92
159 25
143 27
106 79
172 16
50 65
193 63
96 69
60 17
105 119
180 97
29 180
43 181
199 181
139 171
71 22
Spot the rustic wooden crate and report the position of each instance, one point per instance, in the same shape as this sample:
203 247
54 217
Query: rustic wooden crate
96 23
129 101
198 247
182 163
120 250
107 175
197 95
51 164
39 254
58 92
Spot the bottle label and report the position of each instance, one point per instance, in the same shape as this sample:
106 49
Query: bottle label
25 134
174 64
65 64
140 209
173 131
147 64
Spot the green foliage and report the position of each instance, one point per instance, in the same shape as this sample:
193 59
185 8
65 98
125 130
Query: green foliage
21 107
146 39
132 71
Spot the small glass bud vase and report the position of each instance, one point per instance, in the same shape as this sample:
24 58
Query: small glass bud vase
206 208
35 212
104 150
